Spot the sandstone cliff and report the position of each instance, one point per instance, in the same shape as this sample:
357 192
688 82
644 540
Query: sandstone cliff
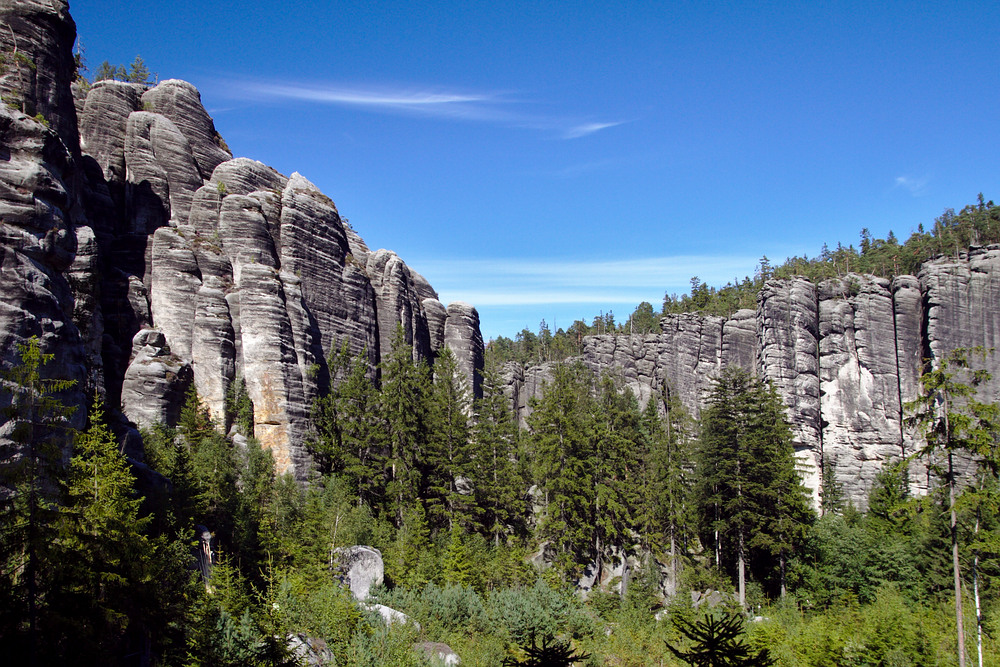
148 259
845 356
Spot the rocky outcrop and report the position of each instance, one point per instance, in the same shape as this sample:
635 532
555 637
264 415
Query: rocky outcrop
37 43
135 246
180 102
399 301
437 653
156 381
845 356
40 270
861 413
463 339
681 360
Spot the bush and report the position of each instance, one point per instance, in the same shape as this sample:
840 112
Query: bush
524 613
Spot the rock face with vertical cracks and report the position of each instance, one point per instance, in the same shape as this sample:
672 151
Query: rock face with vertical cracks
136 248
860 406
37 80
181 103
46 271
845 357
462 337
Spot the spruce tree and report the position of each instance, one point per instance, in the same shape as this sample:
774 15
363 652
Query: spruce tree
349 437
563 453
953 422
27 487
619 450
106 552
498 481
449 464
750 494
404 402
667 508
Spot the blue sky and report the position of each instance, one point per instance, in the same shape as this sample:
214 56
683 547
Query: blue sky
553 160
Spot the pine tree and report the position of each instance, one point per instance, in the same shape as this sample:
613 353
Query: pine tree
498 482
449 463
458 565
750 494
138 72
953 421
619 450
349 437
667 507
562 449
105 550
716 642
404 402
29 508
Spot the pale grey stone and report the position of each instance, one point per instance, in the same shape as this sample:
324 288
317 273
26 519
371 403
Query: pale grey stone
360 568
181 103
463 338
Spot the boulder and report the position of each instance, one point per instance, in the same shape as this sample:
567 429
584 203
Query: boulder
156 381
437 653
360 568
390 615
310 651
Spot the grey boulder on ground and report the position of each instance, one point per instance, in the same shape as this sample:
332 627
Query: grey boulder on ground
360 568
438 653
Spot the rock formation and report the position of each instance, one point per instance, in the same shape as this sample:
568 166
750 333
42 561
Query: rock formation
845 356
134 246
360 569
147 259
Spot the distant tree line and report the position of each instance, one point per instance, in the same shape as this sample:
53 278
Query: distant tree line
951 232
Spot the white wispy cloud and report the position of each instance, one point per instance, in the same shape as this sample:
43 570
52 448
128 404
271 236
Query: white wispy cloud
499 282
588 128
372 97
914 185
501 108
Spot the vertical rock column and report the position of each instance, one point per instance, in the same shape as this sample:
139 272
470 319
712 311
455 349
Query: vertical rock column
858 381
270 363
337 293
787 320
908 310
463 338
42 32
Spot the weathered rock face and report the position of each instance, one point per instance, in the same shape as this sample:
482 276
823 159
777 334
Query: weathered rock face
860 406
399 300
180 102
845 357
40 270
462 337
38 78
680 361
152 260
155 382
